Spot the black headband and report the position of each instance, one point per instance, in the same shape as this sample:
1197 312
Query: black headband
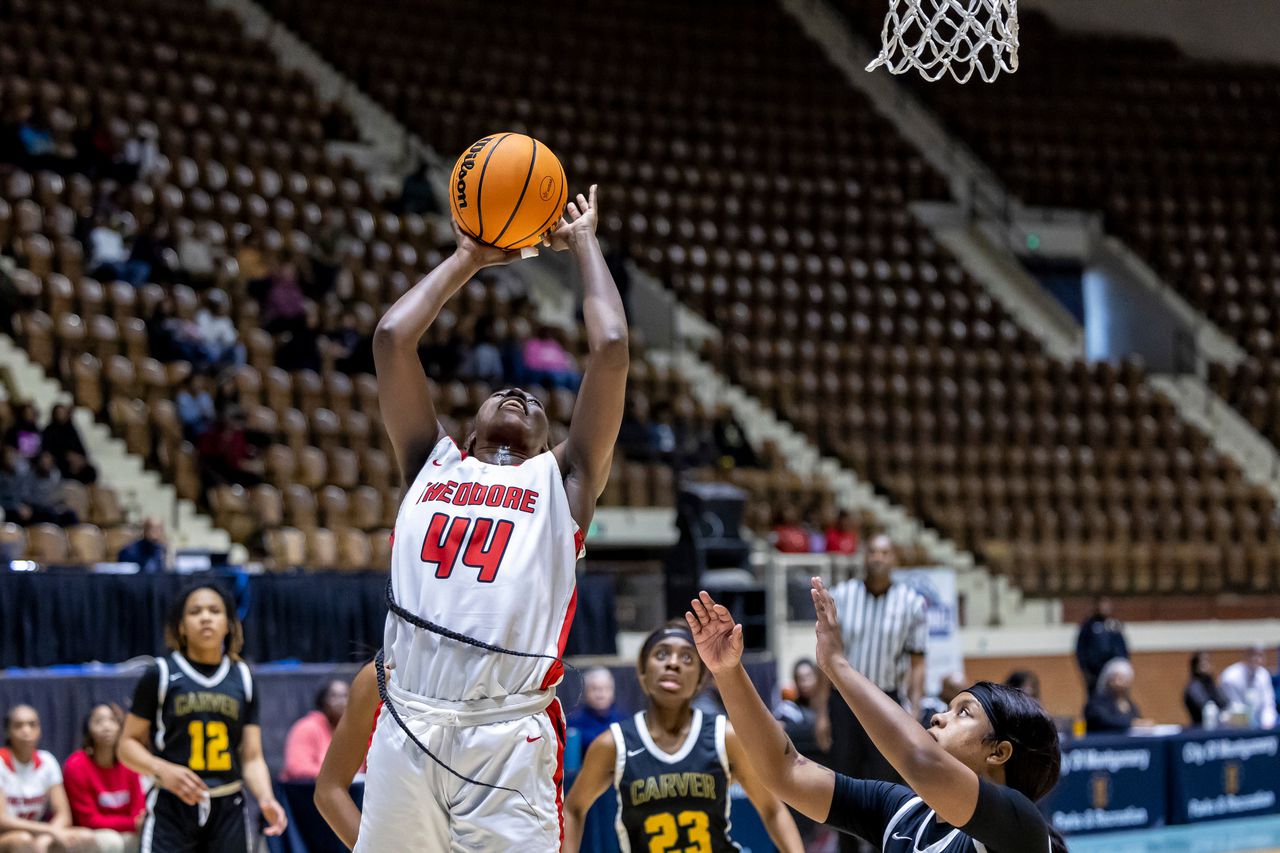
985 697
662 634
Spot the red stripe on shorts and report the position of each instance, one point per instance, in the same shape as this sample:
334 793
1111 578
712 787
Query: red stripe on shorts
556 713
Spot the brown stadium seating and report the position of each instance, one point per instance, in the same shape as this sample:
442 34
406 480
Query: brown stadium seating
1174 151
773 200
250 165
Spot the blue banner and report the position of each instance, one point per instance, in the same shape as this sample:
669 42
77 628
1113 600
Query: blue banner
1109 784
1218 774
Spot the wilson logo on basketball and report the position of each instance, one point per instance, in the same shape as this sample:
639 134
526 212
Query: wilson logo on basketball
548 185
468 163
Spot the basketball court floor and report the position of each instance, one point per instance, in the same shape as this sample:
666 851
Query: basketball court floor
1256 835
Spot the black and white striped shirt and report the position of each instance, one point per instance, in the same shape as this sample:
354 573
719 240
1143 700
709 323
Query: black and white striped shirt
881 632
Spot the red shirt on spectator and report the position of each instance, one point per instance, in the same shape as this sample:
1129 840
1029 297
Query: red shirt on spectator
791 539
305 746
102 797
841 541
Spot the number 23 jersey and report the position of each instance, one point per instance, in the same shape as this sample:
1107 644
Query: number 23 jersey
198 713
673 803
487 551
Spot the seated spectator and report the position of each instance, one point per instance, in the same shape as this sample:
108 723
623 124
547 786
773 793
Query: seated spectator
46 492
953 684
789 535
797 709
77 468
732 446
169 337
298 346
195 407
635 436
110 256
141 151
25 433
308 739
1201 690
1246 684
24 496
547 362
284 305
225 451
842 534
1111 709
1026 681
153 247
216 335
105 796
416 193
482 360
151 552
32 145
34 813
598 710
61 438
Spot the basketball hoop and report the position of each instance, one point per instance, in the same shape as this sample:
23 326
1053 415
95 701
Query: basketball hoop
956 36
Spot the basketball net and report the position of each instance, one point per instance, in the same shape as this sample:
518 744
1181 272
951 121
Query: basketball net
956 36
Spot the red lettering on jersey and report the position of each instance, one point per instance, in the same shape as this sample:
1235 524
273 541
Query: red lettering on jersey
464 492
478 494
485 552
514 495
444 539
530 498
432 492
447 492
496 494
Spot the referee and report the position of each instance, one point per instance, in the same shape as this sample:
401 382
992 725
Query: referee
884 630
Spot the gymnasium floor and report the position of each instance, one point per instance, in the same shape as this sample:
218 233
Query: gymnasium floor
1256 835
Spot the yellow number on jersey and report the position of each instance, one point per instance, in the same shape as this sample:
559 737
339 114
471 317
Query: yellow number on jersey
662 832
209 742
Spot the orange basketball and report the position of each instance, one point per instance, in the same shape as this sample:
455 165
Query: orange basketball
507 190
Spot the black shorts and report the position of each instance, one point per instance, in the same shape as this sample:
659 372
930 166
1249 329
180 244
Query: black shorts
172 826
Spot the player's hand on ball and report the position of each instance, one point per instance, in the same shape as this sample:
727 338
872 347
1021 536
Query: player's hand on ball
480 255
717 636
273 814
579 221
182 783
830 646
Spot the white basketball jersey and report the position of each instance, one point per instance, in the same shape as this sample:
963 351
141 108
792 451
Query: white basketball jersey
488 551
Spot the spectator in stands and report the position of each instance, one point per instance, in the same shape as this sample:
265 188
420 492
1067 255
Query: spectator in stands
151 552
140 152
953 684
417 194
284 305
110 257
842 534
62 439
1026 681
308 739
225 451
298 346
548 363
34 813
25 433
105 796
789 535
153 247
1201 690
169 337
482 360
32 144
47 500
195 407
797 711
636 435
598 710
1100 640
216 335
1111 708
732 446
1246 684
24 496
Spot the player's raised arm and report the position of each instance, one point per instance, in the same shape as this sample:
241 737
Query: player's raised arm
597 414
408 412
797 781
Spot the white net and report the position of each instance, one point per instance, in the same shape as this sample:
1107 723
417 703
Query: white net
956 36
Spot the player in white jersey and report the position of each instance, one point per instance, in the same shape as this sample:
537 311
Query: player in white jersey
468 752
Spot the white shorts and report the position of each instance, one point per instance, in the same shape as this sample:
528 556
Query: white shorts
413 804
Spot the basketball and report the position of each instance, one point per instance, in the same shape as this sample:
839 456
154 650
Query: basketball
507 190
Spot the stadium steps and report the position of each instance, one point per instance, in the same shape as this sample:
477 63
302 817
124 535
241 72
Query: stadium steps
142 492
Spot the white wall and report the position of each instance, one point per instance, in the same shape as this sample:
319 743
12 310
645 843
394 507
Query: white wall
1231 29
